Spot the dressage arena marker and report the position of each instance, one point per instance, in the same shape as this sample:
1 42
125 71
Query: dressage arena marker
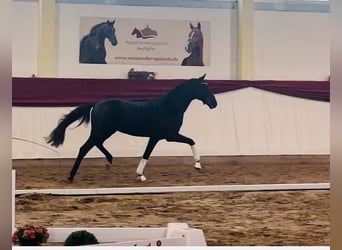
177 189
175 234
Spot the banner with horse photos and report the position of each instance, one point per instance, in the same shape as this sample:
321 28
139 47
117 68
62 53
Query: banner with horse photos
144 41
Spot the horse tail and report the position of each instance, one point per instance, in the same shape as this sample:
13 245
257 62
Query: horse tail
81 113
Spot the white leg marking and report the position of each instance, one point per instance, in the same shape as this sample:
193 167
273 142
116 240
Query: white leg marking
195 153
142 178
196 156
140 169
198 165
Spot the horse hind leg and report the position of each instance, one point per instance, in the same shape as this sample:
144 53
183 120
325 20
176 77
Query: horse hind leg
108 155
140 169
81 154
100 136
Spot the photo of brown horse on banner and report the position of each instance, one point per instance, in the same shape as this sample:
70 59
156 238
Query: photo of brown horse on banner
194 47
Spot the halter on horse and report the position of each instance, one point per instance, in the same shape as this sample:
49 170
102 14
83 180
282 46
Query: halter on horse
92 46
158 119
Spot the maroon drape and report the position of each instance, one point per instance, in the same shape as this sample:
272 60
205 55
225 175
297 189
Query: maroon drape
73 91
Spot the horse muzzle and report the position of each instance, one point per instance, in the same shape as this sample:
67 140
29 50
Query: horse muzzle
187 49
212 103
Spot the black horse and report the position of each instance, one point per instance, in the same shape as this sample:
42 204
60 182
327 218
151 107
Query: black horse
158 119
92 46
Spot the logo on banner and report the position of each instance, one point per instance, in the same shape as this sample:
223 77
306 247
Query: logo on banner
145 33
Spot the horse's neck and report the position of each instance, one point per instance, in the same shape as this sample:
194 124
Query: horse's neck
100 37
197 53
177 100
195 59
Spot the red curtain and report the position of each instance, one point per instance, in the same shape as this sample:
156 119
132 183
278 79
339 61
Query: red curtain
52 92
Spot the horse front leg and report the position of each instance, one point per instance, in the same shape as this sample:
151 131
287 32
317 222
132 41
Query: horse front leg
142 164
183 139
196 156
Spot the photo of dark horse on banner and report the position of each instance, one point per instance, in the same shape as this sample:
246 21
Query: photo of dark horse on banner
92 45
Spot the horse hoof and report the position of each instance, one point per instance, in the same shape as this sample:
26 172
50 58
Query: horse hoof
108 166
197 166
70 180
142 178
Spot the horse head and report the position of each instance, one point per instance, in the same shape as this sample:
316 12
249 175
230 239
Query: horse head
137 33
195 39
201 92
92 46
109 32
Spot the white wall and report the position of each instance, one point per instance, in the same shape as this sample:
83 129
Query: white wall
24 38
245 122
292 45
288 45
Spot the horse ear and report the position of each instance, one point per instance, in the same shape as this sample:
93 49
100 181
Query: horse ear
199 25
191 26
113 21
202 77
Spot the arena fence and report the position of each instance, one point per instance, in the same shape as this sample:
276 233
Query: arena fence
175 234
177 189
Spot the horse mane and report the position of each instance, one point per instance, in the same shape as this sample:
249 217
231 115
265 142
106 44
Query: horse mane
82 40
175 99
178 88
185 85
94 29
